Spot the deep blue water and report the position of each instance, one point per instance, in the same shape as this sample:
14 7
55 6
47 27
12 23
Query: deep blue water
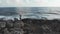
8 12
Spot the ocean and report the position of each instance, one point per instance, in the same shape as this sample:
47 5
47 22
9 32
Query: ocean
30 12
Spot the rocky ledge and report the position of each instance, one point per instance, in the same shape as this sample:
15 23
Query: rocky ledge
30 26
41 26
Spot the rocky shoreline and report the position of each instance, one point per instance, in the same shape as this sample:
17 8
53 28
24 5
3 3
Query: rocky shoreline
40 26
30 26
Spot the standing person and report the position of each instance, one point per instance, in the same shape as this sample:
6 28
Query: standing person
20 17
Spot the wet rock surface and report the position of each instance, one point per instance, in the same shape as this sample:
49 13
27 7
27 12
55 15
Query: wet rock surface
11 27
30 26
40 26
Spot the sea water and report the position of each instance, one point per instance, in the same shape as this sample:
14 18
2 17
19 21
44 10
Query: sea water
30 12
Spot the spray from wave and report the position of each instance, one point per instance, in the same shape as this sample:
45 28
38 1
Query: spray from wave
39 12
